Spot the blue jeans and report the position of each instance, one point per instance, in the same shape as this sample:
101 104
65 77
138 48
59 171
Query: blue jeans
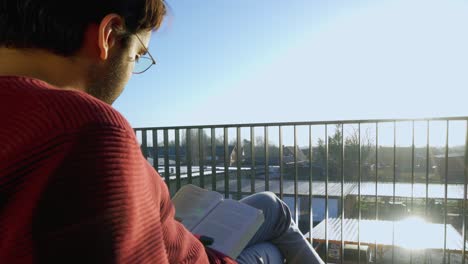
279 238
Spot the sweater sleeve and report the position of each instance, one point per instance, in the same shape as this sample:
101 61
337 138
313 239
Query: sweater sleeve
105 204
171 228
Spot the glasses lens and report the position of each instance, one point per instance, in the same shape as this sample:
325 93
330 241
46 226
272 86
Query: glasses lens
142 64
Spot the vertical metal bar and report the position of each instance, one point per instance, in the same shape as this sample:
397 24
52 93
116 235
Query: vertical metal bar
446 189
177 153
280 133
412 169
267 166
166 159
238 162
155 150
464 195
311 169
427 169
226 163
144 143
376 178
427 183
201 163
342 191
296 211
214 157
359 192
412 180
156 137
326 193
188 149
253 172
394 182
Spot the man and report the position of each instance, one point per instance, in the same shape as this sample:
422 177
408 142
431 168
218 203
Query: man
74 186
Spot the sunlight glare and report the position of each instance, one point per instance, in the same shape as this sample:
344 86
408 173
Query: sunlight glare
415 232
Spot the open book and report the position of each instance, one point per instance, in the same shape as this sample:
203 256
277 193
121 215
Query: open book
229 222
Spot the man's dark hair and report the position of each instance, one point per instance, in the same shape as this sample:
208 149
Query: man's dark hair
59 25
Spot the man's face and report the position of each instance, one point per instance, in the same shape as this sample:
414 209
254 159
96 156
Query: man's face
108 78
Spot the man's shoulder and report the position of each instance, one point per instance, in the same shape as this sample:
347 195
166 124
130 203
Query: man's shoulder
49 108
35 115
74 110
85 109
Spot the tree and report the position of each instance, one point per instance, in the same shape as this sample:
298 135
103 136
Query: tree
193 146
352 143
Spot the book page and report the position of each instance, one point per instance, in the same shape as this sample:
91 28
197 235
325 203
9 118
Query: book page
192 203
231 224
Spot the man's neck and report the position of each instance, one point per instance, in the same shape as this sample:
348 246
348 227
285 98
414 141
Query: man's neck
61 72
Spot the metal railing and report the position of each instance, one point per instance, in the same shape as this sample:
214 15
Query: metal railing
334 175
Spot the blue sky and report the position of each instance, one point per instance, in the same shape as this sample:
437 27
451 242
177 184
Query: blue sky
250 61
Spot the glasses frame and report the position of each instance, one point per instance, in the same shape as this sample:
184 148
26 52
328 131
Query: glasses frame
147 52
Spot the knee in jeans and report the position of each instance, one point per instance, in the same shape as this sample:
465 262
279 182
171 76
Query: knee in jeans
269 200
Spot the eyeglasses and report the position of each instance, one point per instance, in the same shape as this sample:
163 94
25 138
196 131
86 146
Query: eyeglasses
143 63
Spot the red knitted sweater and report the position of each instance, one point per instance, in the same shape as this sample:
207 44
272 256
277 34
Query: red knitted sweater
75 188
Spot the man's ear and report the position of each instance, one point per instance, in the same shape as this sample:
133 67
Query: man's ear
108 33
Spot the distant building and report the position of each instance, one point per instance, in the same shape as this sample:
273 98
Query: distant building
288 155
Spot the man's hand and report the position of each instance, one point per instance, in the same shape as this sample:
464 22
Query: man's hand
214 256
206 241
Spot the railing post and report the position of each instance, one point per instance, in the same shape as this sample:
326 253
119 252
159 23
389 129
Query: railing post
281 153
238 163
311 168
342 191
267 161
464 194
166 159
214 157
376 178
253 168
326 191
427 180
155 150
359 191
144 143
188 149
446 189
201 158
296 211
394 182
412 179
177 153
226 163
